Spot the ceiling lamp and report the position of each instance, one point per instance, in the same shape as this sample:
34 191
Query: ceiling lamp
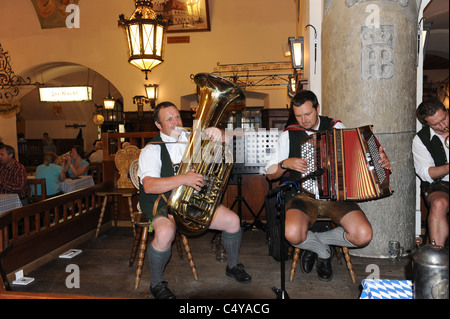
109 102
296 52
145 35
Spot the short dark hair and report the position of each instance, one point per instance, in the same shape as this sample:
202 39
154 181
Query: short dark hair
300 98
158 108
429 108
9 150
304 96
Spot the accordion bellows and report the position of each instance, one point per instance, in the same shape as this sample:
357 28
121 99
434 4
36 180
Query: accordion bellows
349 160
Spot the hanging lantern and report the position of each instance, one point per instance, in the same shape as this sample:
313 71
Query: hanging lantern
145 35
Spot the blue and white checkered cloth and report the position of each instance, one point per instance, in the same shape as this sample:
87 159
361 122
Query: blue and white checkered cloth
386 289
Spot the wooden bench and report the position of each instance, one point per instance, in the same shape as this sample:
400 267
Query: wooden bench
52 226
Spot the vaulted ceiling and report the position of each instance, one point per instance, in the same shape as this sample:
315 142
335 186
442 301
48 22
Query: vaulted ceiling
65 74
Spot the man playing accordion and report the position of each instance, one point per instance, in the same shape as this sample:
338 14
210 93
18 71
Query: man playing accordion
353 229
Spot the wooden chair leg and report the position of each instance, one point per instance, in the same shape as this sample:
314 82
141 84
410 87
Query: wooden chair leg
349 264
135 246
178 243
294 263
189 256
141 256
338 255
102 212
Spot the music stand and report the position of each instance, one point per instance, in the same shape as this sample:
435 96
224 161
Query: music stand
251 151
281 191
236 179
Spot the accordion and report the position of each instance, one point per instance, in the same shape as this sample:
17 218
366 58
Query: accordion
347 160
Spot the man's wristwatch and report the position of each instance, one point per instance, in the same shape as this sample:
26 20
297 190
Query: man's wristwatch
282 166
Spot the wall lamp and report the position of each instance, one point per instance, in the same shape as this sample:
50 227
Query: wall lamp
425 33
296 46
151 91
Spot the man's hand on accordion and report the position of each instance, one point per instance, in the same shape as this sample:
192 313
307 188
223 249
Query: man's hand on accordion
384 161
296 164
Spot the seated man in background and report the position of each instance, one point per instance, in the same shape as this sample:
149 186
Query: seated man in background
13 175
52 173
430 153
97 156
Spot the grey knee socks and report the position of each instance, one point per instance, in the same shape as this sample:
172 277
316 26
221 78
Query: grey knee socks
335 237
157 261
313 244
232 245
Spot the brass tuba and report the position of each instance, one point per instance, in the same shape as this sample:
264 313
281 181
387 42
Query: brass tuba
194 210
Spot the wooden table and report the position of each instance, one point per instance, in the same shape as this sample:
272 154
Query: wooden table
115 193
71 185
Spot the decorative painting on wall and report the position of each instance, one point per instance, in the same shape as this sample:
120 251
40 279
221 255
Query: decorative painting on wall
53 13
184 15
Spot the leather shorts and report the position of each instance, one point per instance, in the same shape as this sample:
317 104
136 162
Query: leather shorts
315 209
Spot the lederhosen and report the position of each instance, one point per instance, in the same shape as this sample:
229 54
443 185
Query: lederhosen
436 149
311 207
154 205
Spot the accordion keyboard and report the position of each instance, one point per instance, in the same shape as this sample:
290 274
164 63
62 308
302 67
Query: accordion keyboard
308 151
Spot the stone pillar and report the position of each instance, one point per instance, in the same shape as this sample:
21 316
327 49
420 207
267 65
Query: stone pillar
369 77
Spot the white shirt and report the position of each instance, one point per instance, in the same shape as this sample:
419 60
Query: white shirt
150 157
423 159
282 152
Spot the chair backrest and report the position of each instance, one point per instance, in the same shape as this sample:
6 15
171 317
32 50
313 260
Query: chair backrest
134 166
32 189
96 172
123 159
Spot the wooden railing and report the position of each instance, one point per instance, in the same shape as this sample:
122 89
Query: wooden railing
47 227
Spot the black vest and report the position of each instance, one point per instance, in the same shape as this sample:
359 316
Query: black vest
147 201
434 146
297 136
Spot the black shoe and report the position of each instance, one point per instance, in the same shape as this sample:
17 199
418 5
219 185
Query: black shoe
307 260
161 291
238 273
324 270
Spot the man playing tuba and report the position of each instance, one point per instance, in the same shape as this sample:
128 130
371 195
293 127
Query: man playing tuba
431 165
157 173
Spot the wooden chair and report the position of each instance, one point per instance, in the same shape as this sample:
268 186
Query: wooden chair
141 224
95 169
338 255
32 187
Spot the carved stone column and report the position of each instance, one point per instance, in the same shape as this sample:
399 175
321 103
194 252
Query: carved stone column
369 77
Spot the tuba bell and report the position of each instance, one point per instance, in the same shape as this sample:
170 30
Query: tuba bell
193 210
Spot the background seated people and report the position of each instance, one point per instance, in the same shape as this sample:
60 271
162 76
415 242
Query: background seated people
13 175
97 156
74 165
48 144
52 173
431 165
